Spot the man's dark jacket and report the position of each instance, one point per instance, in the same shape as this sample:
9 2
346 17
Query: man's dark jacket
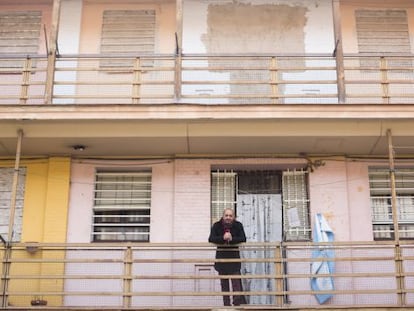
227 249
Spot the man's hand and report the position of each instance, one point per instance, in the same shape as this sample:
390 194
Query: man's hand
227 237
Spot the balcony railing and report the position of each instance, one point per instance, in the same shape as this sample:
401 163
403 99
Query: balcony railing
208 79
165 276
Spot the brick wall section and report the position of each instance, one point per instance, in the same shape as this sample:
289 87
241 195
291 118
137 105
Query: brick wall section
192 201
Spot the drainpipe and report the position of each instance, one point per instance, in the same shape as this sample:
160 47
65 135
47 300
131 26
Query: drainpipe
397 255
178 50
7 243
14 185
338 52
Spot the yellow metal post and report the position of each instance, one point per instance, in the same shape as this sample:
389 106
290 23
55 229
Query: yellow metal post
24 94
384 81
338 52
51 54
274 81
279 274
127 277
398 259
136 83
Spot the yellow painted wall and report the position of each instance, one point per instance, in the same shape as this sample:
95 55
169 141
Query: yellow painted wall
44 220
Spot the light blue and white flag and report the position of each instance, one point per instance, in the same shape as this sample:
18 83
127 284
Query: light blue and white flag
322 233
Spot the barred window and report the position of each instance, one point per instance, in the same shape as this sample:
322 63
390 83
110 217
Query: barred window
381 202
227 186
122 206
296 224
223 193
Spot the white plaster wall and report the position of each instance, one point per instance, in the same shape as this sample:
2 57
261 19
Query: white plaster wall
68 43
80 203
318 38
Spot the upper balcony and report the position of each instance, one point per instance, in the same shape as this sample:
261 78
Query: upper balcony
207 79
206 52
197 73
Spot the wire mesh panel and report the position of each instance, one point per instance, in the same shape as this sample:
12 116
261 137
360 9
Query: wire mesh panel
167 276
258 80
138 79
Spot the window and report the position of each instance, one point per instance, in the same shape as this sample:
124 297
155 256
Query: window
295 197
6 182
383 31
127 32
19 35
380 192
227 186
122 206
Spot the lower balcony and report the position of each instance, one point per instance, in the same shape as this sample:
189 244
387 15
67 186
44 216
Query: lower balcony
181 276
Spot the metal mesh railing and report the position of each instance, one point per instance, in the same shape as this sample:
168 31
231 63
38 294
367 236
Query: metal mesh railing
207 79
274 275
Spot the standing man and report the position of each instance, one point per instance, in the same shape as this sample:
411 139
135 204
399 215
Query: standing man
226 233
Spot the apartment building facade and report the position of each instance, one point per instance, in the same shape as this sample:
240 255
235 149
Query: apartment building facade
131 123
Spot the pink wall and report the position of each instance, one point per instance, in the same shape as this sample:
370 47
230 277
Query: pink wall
181 196
340 191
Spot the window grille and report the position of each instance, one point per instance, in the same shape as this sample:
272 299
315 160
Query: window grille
122 206
127 32
381 202
6 182
296 224
223 193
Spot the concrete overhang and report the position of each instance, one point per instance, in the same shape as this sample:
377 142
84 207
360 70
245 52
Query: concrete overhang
168 130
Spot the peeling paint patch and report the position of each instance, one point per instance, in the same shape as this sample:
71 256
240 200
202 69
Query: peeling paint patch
247 28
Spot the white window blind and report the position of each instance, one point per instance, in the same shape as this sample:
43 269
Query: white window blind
296 225
383 31
19 35
130 32
122 206
380 192
6 181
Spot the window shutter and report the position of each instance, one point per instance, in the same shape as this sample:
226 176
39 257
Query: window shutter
127 32
19 35
122 206
223 193
6 181
383 31
296 223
